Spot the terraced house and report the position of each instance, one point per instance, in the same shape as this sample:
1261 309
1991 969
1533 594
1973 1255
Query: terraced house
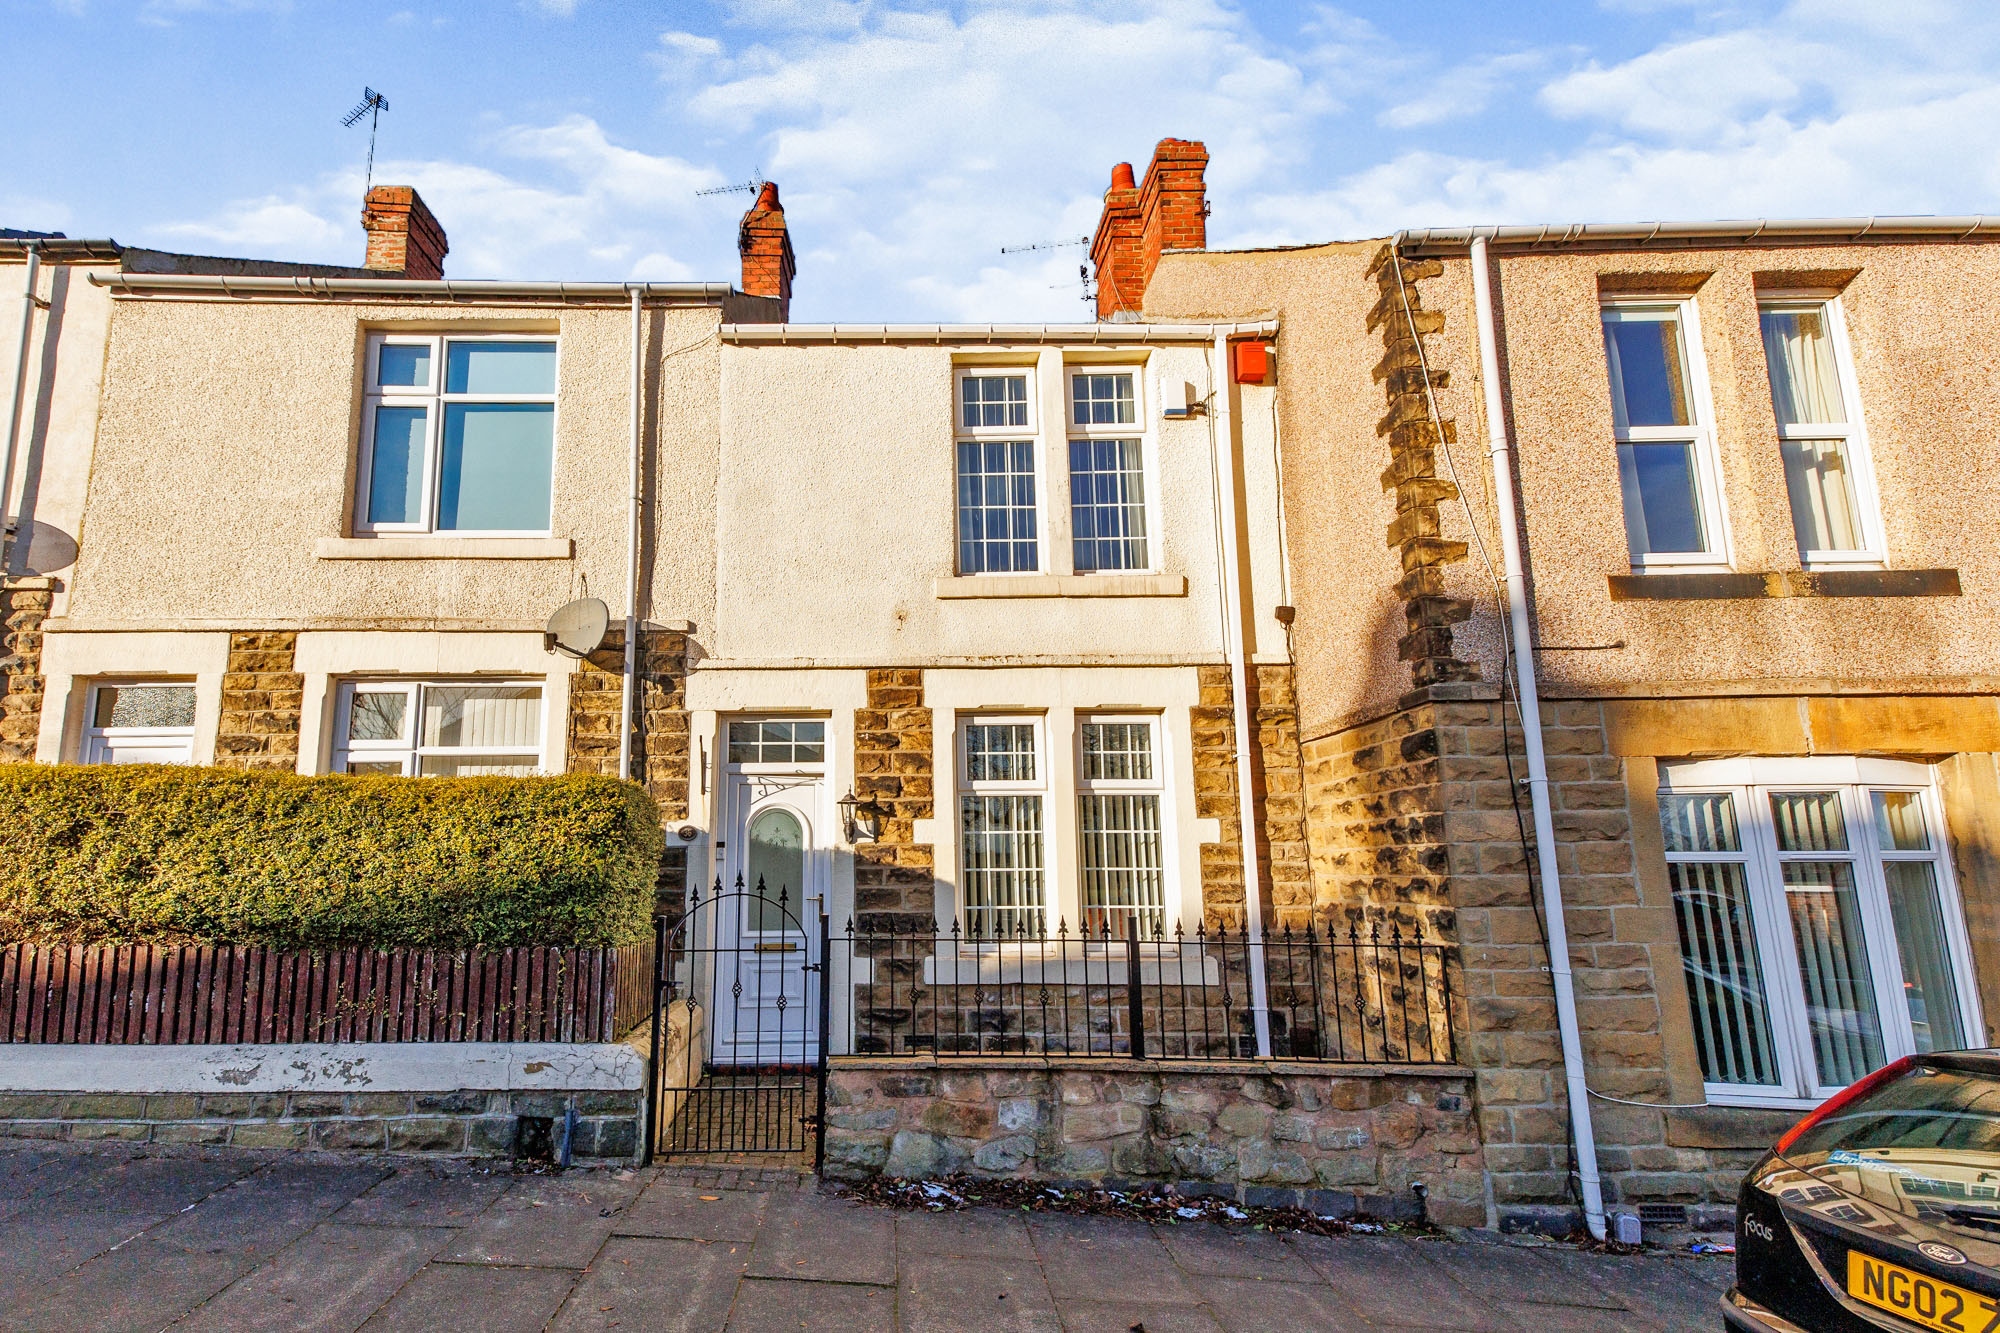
1095 751
1709 490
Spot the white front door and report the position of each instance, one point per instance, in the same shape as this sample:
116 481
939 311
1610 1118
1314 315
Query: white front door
766 1001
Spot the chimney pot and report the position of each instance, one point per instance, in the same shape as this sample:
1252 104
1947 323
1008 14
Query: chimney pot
1121 177
404 237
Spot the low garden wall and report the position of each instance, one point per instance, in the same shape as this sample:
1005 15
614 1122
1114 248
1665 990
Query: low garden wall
476 1099
1337 1139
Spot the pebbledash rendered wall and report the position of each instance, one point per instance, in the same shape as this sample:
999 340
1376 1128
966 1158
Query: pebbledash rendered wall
1337 1141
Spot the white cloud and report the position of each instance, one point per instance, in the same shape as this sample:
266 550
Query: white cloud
1462 92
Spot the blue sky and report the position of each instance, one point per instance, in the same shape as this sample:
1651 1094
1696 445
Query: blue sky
567 138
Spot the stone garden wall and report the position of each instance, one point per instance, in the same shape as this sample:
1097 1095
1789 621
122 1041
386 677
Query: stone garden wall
1335 1140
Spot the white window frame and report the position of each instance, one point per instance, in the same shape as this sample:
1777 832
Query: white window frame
1750 783
1852 434
1039 786
1136 429
434 399
1156 786
1699 433
1030 434
774 767
98 745
410 749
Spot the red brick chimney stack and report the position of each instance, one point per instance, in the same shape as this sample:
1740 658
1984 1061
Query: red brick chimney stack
766 247
404 238
1114 250
1168 212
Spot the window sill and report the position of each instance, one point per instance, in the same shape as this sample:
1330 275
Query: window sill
1061 585
1785 583
444 548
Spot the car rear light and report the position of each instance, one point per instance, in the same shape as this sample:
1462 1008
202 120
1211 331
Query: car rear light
1853 1092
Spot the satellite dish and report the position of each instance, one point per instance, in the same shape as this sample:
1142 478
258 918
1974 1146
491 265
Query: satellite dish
578 628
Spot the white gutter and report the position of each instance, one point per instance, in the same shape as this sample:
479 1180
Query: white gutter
30 299
1459 240
632 543
1501 453
207 284
1237 630
1121 334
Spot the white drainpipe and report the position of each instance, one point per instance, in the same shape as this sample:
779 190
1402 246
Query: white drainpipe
1501 452
28 303
1228 497
632 543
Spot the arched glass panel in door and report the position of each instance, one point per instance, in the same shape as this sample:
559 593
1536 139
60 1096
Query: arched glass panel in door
778 862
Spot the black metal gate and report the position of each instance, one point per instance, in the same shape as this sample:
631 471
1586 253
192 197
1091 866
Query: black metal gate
740 1013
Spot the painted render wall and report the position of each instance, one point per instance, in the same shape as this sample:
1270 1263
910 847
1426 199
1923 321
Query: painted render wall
837 517
227 449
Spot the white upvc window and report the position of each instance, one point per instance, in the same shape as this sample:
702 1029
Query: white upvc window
458 435
439 729
1003 785
1662 424
999 507
1835 511
139 722
1121 847
1820 928
1107 470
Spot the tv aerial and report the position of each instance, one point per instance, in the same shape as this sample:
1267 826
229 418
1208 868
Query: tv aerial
371 105
1082 270
577 628
751 186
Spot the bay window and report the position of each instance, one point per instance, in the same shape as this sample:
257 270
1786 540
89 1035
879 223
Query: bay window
1820 931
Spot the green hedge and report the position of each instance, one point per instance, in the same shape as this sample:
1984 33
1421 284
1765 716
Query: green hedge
154 854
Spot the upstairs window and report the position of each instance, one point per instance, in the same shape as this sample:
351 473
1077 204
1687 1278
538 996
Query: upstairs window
441 729
998 523
1666 461
1107 475
1826 463
458 435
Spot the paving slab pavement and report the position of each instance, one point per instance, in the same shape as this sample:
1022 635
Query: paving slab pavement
206 1240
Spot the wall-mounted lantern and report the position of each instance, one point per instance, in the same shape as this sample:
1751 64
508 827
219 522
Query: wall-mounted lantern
862 819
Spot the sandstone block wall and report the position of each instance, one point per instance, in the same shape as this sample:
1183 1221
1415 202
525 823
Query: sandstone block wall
262 701
660 740
24 605
1334 1142
1277 786
1413 820
895 877
467 1123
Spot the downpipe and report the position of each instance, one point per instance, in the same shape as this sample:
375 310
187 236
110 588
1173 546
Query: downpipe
632 541
30 300
1500 452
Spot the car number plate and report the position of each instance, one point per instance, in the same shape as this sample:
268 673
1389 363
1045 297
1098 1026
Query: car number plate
1920 1299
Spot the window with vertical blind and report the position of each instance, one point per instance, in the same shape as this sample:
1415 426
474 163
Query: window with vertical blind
1813 396
1120 851
1821 935
1107 474
439 728
1003 778
999 516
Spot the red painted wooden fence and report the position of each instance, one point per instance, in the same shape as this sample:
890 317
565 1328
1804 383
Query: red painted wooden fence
143 995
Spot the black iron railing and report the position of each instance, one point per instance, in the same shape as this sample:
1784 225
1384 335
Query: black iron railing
1379 994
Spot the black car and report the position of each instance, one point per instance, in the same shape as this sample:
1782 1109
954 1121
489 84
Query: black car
1880 1210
